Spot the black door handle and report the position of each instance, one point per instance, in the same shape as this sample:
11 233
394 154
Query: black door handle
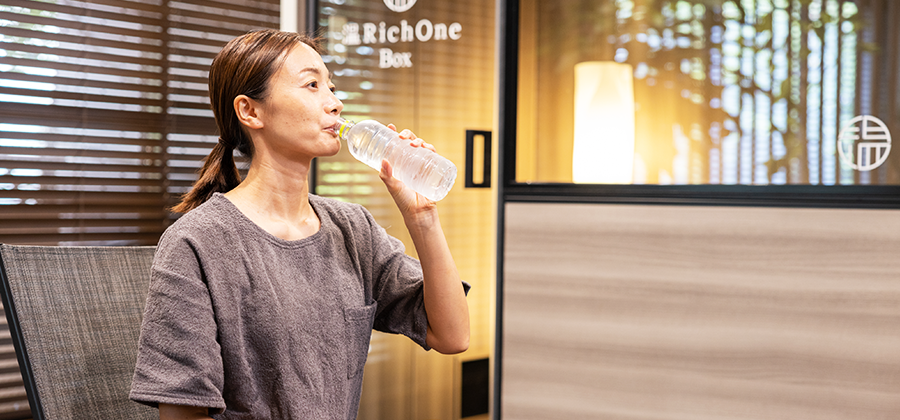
470 159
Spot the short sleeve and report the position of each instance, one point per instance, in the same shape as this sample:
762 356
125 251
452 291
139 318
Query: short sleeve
398 287
179 359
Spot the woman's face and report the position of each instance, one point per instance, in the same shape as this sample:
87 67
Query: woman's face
300 111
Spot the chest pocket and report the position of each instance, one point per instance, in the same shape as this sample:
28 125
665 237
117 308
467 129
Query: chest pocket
359 332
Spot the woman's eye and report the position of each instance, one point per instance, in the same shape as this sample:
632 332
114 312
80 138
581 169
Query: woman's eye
313 84
333 89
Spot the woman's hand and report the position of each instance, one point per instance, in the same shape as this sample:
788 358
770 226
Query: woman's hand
415 208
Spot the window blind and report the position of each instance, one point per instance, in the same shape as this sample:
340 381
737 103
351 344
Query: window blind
104 113
104 121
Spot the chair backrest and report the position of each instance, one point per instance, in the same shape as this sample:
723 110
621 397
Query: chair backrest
74 314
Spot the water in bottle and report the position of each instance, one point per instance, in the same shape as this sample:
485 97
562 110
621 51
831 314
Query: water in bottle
424 171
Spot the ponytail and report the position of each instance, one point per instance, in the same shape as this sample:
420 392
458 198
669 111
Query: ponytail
219 174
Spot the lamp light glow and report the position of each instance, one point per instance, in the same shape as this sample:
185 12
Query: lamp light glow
603 152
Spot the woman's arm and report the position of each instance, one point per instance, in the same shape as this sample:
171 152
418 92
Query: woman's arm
183 412
445 299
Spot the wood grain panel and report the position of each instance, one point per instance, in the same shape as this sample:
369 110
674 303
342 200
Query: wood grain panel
680 312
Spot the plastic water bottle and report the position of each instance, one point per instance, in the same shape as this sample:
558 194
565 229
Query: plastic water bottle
426 172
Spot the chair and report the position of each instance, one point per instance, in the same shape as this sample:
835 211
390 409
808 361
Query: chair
74 315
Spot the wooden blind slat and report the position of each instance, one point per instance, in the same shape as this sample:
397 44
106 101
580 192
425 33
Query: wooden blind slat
129 15
150 32
99 84
111 60
81 141
145 5
53 183
211 29
40 115
194 66
260 7
96 41
215 25
77 212
93 198
6 152
190 37
222 15
82 97
80 68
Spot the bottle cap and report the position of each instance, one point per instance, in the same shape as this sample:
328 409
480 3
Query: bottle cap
342 127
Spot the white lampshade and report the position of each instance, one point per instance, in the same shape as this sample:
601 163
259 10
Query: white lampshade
604 123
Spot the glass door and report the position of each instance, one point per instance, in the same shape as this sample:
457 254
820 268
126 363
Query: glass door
426 65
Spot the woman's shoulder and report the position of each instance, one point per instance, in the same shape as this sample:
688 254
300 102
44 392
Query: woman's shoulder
209 217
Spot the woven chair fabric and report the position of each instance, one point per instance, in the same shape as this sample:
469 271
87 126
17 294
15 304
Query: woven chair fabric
79 310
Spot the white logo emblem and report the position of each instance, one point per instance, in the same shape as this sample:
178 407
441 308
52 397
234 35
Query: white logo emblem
399 5
872 142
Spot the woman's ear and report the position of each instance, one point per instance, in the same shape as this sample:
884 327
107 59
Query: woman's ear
247 113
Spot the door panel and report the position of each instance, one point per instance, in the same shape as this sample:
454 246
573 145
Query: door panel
448 89
700 312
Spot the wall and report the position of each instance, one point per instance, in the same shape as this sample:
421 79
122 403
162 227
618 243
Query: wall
683 312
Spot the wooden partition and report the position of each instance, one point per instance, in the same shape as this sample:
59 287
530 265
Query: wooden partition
700 312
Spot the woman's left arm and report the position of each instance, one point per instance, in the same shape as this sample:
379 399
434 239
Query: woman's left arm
445 298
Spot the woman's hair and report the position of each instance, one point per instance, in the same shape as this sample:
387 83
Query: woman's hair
243 67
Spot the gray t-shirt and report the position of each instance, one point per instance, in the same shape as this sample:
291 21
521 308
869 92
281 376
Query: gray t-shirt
256 327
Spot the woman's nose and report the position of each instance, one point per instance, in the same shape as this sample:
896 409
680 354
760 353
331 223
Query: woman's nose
334 105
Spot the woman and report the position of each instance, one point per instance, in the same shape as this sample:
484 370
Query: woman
263 296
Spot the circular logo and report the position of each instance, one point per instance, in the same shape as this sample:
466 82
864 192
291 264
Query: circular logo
865 143
399 5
